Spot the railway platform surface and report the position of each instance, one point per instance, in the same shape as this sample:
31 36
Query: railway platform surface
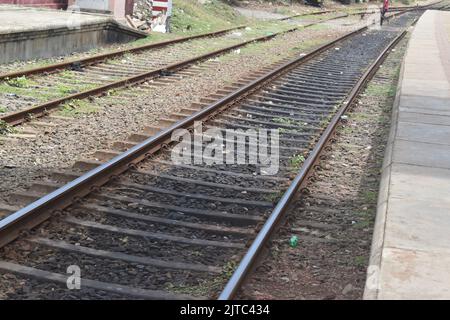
32 33
22 19
410 256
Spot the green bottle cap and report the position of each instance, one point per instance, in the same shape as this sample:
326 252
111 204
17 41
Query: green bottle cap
293 242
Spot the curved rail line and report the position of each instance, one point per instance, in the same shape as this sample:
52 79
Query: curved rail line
129 198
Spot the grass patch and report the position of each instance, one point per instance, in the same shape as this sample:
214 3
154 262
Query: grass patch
6 128
7 89
76 108
266 28
360 261
67 74
208 287
248 50
20 82
275 197
362 117
297 161
370 196
320 26
63 89
287 121
3 109
381 90
112 92
193 17
346 129
363 224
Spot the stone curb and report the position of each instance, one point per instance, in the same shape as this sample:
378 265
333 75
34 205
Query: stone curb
371 289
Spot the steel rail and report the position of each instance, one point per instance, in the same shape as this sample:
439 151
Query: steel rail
18 117
300 181
40 210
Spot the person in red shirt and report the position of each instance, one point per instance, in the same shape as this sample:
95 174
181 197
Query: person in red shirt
384 10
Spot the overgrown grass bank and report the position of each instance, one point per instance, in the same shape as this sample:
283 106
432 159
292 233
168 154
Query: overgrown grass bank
193 17
190 17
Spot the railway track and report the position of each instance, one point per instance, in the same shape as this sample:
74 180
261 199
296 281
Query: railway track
141 226
52 86
11 72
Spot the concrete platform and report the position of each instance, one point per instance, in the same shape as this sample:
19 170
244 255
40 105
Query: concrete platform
410 256
29 33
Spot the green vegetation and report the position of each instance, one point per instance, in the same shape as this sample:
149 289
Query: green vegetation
325 121
229 268
6 128
360 261
363 224
297 161
7 89
275 197
266 28
126 56
370 196
364 219
112 92
287 121
2 109
208 287
67 74
76 108
320 26
19 82
193 17
64 90
24 87
346 129
381 90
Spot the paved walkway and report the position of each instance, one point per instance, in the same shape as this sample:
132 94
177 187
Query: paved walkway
411 249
